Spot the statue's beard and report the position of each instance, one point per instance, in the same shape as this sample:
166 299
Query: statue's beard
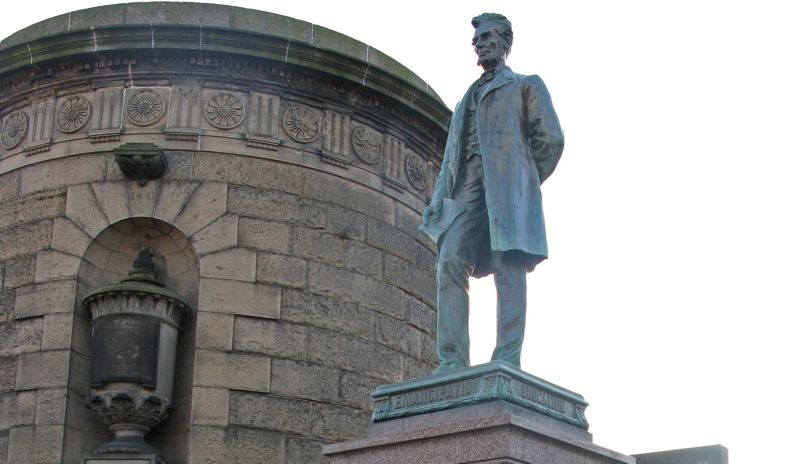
488 63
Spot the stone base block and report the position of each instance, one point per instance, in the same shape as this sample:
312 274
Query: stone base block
123 459
489 432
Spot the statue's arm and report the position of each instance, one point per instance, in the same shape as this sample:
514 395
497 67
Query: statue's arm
439 192
443 181
440 187
543 128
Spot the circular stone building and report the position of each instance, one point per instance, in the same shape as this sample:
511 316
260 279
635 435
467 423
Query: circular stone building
276 170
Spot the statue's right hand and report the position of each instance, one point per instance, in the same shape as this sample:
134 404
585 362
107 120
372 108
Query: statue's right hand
432 211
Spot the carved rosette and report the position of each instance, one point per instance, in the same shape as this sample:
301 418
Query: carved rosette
224 110
73 114
145 107
115 408
301 123
14 129
415 171
368 145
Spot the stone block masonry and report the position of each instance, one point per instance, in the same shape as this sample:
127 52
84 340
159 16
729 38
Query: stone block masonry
301 311
295 309
286 216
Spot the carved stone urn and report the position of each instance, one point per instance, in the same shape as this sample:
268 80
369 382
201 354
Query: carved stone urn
135 326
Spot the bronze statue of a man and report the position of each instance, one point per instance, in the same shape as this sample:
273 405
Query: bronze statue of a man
486 210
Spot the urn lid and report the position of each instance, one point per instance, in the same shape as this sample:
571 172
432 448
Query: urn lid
142 280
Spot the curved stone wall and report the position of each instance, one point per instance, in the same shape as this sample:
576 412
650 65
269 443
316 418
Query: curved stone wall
298 162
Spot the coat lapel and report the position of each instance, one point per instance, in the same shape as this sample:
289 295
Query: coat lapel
503 77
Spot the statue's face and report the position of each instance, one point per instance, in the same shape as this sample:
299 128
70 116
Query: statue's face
488 45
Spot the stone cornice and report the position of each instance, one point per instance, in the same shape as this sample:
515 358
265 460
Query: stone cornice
212 29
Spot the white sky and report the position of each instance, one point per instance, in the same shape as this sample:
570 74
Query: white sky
672 218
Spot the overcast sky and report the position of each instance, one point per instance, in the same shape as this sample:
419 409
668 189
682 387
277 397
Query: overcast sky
670 297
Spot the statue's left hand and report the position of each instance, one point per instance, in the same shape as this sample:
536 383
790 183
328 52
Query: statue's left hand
432 211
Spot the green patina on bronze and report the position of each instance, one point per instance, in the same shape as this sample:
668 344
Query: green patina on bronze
486 214
493 381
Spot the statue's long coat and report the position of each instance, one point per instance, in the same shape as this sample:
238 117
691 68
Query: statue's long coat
520 142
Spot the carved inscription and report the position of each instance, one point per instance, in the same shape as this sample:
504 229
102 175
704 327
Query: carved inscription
449 392
539 397
493 383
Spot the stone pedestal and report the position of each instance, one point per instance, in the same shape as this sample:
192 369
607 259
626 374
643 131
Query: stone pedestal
487 421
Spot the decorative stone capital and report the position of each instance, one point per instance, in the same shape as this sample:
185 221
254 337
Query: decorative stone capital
122 408
130 418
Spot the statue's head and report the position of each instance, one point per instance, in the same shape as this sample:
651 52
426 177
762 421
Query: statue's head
493 38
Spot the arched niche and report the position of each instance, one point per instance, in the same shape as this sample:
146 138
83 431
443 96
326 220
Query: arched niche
106 261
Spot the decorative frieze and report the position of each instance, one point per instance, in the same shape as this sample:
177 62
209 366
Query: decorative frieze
267 124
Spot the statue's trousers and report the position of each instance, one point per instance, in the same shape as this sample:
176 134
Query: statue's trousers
457 257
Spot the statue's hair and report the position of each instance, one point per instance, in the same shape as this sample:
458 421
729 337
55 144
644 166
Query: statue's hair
503 27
